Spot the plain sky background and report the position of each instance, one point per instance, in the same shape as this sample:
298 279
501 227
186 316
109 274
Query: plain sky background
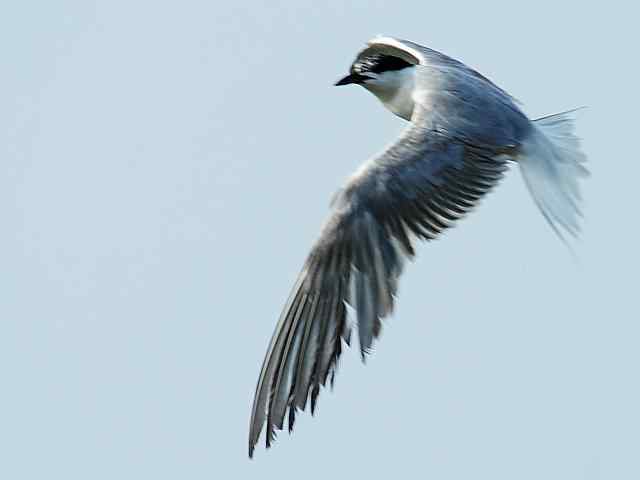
166 167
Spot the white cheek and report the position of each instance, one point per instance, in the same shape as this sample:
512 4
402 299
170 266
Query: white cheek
377 81
396 79
383 81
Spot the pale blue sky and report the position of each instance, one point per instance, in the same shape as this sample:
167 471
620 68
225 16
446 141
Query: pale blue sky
167 165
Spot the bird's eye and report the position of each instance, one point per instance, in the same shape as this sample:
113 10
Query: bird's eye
390 63
380 64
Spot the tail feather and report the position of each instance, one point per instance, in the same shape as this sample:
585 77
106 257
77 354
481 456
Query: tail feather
552 166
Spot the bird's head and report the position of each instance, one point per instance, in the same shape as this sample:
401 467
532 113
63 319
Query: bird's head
388 72
376 70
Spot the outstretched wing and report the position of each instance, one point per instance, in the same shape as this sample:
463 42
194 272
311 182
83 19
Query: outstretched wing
449 157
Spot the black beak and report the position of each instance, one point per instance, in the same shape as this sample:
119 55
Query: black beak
351 78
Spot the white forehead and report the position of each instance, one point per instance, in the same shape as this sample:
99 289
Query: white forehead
395 47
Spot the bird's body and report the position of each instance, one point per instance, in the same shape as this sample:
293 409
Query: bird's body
463 132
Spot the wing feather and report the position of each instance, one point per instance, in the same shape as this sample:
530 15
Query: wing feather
431 177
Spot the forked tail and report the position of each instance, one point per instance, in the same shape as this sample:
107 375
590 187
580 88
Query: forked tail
552 166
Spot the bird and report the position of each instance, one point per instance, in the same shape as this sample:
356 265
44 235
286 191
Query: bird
463 133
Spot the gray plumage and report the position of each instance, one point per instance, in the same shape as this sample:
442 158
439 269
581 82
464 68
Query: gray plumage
463 132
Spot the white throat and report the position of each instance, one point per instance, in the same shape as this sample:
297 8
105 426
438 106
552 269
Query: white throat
395 90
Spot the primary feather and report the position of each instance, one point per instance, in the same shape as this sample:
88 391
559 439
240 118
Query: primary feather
463 131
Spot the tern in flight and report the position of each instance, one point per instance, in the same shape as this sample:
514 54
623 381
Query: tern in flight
463 133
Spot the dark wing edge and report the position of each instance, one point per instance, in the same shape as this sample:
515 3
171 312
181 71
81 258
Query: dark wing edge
417 188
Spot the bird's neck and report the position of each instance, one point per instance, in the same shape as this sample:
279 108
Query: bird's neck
395 91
